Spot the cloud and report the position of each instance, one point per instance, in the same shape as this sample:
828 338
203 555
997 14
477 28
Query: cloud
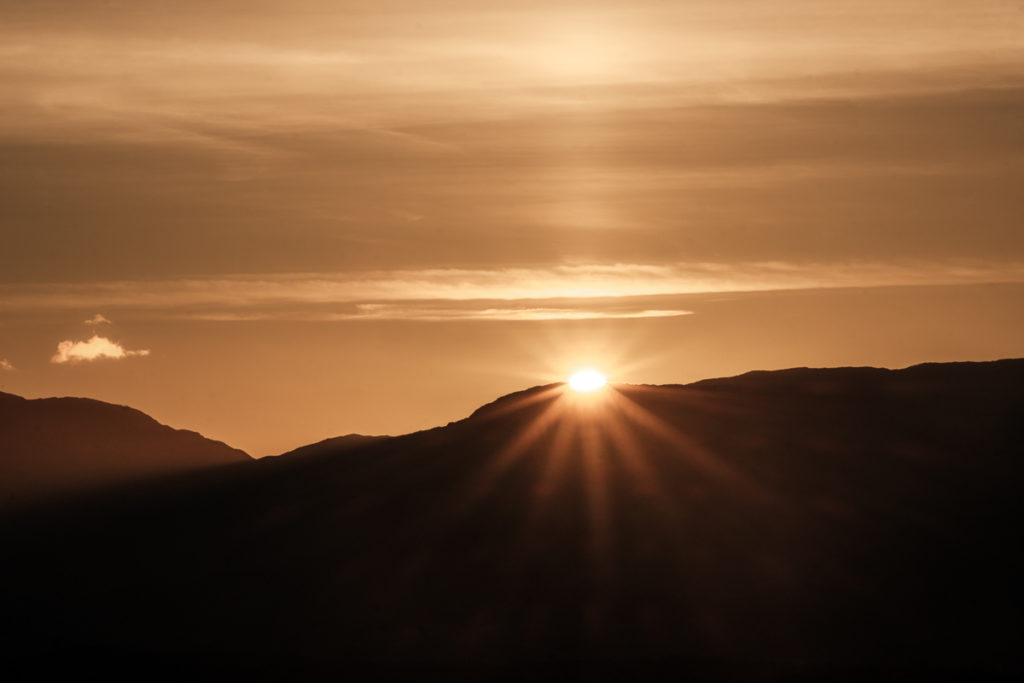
97 347
248 294
6 365
97 320
430 312
86 73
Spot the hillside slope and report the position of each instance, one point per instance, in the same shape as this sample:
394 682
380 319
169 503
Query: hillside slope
848 522
56 446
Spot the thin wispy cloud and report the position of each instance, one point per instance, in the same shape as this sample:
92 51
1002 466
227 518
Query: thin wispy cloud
97 320
83 72
6 365
248 293
95 348
390 312
431 313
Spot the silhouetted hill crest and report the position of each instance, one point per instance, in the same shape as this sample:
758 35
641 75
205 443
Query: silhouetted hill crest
857 523
803 379
55 446
513 401
331 445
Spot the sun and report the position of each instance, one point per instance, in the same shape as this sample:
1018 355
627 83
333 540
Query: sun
586 380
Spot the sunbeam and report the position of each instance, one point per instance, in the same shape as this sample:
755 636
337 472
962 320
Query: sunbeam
692 451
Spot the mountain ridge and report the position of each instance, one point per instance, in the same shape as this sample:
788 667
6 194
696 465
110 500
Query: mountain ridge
52 447
850 524
743 380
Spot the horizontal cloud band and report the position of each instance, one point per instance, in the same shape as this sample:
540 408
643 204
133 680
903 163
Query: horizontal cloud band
517 290
431 313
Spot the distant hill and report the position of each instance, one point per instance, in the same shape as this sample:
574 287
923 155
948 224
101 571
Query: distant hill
332 446
805 524
55 446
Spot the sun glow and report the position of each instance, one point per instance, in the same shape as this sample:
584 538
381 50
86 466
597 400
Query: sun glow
587 380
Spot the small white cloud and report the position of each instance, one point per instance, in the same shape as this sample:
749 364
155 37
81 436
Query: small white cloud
6 365
97 320
97 347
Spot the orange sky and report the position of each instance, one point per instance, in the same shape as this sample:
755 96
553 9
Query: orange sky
325 217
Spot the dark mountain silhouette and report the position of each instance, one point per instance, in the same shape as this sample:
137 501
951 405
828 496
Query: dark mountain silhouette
804 524
55 446
332 446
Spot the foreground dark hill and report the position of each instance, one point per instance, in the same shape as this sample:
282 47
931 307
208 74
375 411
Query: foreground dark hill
55 446
852 522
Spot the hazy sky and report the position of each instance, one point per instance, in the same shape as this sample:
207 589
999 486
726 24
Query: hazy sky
300 219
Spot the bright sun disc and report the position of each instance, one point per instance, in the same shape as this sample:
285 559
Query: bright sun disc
586 380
